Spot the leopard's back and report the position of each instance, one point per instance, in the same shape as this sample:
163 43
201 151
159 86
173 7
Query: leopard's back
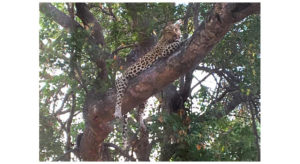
144 62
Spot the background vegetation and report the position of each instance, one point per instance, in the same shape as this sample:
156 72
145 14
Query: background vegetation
217 115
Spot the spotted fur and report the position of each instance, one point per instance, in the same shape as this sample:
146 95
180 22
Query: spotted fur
125 132
168 43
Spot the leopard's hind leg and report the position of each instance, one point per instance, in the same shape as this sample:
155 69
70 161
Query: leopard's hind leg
121 85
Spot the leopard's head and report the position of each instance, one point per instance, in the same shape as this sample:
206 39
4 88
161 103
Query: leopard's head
172 31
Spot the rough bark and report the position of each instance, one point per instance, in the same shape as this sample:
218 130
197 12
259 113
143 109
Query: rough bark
207 35
89 20
59 17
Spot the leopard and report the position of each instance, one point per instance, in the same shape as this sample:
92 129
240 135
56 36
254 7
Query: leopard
166 45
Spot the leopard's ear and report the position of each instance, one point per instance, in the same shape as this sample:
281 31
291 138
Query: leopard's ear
178 23
168 27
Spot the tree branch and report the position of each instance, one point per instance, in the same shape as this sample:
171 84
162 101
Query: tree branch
237 98
89 20
185 91
123 47
251 109
71 10
80 79
109 12
118 149
70 25
58 112
68 128
199 82
59 17
196 7
66 153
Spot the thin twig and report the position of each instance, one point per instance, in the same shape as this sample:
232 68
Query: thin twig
63 103
199 82
80 80
67 152
255 130
117 148
123 47
109 12
69 122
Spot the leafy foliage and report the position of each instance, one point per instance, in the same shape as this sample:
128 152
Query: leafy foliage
68 68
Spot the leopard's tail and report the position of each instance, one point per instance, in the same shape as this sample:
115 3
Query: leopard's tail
121 85
125 132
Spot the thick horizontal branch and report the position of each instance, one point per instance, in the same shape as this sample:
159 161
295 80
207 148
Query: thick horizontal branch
165 71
